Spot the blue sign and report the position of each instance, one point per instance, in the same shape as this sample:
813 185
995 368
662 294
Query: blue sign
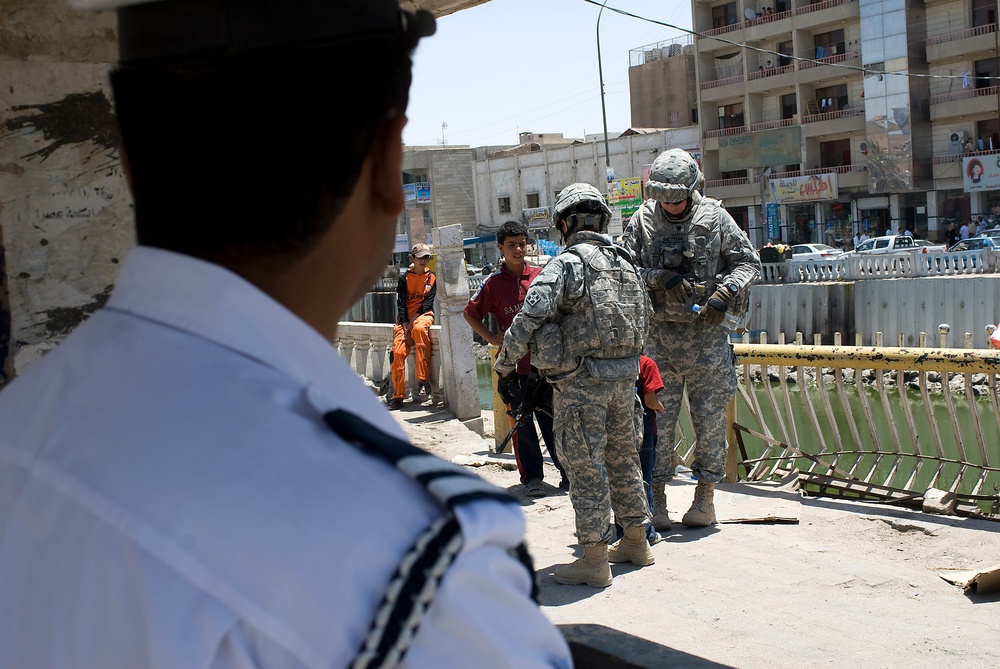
773 222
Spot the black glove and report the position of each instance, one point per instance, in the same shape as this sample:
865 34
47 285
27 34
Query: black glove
676 286
505 386
717 305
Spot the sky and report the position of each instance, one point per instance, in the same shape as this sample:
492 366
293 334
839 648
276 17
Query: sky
511 66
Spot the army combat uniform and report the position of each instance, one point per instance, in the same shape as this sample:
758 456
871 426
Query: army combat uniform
586 318
708 246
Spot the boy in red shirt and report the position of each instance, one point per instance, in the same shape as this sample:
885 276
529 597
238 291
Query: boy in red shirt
415 294
502 294
648 384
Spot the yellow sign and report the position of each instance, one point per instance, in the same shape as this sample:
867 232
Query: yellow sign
625 193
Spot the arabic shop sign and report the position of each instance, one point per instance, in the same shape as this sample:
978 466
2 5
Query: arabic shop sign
535 217
625 194
813 188
981 173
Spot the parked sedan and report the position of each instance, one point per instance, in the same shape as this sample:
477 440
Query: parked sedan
814 252
977 243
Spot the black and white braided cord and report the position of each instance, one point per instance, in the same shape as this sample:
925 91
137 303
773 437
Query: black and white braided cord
420 572
408 595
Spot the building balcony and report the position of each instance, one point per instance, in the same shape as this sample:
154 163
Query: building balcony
826 12
725 183
782 175
768 18
731 34
968 102
949 166
719 89
765 27
769 125
848 176
731 189
725 132
962 44
770 72
771 78
830 123
811 71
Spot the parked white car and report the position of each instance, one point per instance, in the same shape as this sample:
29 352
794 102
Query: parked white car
814 252
896 244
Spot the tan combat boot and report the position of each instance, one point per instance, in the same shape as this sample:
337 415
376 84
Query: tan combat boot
632 547
702 511
593 568
661 519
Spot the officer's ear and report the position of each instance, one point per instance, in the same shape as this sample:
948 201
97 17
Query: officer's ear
387 164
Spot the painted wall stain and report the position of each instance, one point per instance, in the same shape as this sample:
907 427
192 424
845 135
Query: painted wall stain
78 118
62 320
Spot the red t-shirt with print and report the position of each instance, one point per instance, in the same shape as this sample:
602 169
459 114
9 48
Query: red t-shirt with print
502 294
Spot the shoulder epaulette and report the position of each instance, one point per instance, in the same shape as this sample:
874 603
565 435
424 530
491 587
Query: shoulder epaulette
417 578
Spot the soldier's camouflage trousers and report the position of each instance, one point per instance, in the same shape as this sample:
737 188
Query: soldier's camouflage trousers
699 355
596 442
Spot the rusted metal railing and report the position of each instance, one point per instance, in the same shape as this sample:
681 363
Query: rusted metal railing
872 423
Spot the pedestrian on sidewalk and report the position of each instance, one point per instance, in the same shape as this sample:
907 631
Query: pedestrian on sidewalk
502 295
415 293
585 318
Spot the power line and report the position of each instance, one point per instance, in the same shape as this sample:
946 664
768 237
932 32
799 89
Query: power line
744 45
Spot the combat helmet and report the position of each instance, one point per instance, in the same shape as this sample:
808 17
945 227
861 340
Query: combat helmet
674 176
583 207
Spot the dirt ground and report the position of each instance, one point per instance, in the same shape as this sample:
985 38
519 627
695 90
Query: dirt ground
849 585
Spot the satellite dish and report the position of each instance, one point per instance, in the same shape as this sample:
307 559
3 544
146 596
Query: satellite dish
749 13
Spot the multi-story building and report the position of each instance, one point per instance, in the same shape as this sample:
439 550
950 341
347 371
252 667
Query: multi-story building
522 182
481 188
438 191
661 85
855 113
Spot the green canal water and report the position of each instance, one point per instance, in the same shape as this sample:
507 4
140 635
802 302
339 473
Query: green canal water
889 430
918 441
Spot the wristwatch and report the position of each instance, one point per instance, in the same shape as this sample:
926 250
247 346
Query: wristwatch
732 288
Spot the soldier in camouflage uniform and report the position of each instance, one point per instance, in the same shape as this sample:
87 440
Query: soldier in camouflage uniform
691 251
585 318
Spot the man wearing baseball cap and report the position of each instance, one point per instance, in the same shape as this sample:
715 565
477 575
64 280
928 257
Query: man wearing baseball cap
195 478
415 293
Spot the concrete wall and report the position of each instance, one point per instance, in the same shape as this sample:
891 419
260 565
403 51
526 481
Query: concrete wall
65 212
659 87
890 306
449 172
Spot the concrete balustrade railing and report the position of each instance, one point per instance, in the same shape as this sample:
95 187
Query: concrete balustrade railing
366 348
859 268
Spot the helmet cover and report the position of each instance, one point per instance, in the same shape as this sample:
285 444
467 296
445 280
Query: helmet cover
673 176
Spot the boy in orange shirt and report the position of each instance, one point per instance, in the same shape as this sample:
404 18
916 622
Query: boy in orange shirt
414 316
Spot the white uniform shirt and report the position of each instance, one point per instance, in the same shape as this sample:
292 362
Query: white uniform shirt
171 497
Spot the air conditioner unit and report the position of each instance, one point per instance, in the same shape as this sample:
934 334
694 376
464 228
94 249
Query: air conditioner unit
959 142
864 148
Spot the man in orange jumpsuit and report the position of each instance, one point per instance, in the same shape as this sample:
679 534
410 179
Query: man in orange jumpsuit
414 316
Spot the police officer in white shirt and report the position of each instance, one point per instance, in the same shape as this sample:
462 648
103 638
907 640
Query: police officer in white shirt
195 478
